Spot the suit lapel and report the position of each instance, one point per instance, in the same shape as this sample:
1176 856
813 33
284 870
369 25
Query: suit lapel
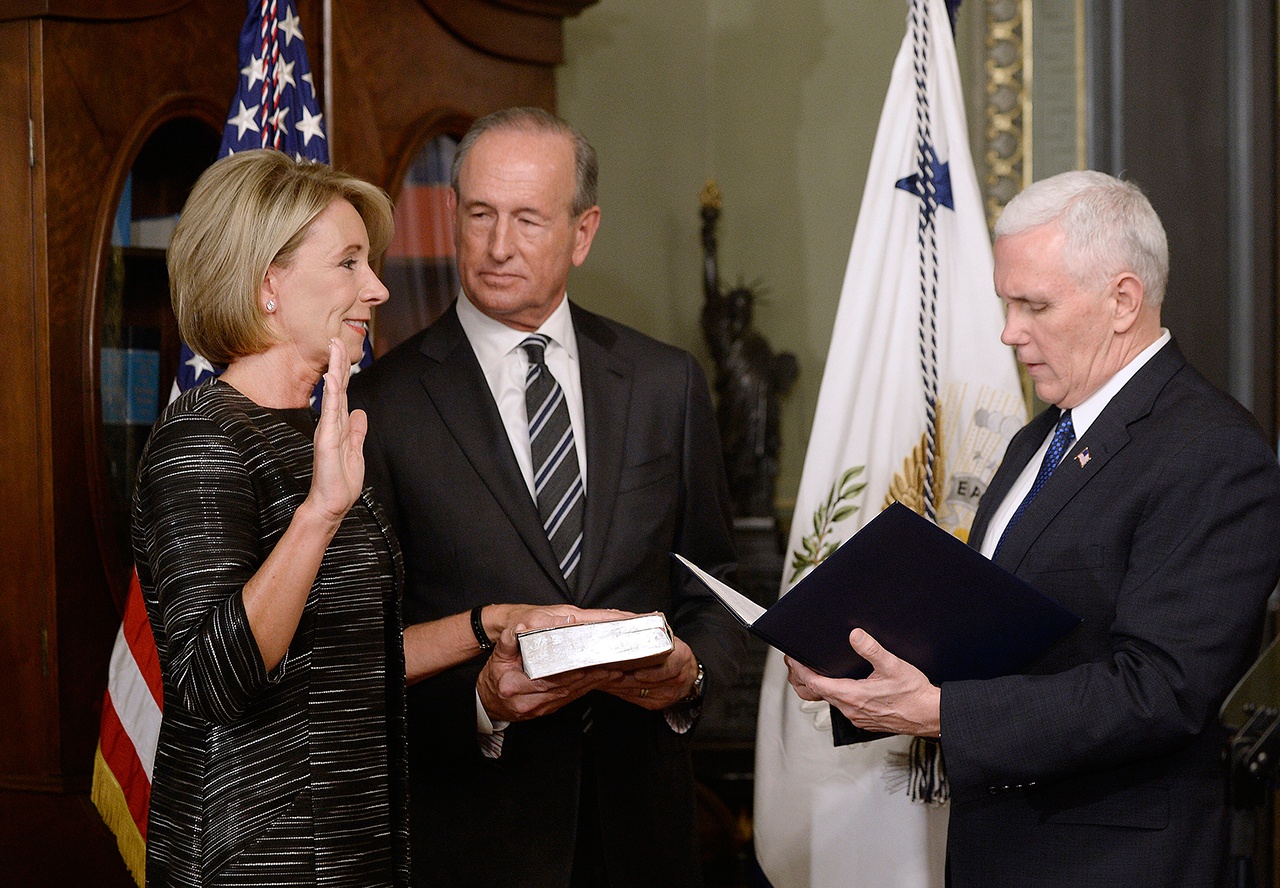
606 399
465 404
1106 436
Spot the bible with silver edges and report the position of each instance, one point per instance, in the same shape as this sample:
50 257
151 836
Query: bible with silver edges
626 644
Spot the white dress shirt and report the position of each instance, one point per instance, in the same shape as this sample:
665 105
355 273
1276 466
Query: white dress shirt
506 364
1082 416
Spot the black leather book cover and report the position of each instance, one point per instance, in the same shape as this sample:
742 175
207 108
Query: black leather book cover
923 594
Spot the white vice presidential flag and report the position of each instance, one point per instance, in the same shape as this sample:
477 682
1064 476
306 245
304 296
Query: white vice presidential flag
918 400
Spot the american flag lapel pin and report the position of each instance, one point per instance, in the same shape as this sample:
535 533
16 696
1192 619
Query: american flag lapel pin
1083 457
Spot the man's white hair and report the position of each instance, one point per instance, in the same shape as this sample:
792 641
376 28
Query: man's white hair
1109 224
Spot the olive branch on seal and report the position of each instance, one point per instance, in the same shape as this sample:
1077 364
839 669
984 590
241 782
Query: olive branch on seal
815 547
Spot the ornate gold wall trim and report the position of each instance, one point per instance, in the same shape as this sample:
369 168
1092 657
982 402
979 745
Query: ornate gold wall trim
1007 139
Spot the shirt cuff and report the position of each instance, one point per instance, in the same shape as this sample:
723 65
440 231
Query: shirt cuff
489 732
682 716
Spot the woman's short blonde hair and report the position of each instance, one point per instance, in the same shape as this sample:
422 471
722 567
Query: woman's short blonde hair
247 212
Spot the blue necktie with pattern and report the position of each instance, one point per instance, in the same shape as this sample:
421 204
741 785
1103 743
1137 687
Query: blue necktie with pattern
556 476
1063 435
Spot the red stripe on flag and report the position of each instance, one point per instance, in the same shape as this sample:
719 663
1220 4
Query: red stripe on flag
122 759
424 226
142 644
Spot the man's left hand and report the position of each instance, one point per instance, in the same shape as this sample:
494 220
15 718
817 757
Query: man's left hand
896 698
657 687
508 694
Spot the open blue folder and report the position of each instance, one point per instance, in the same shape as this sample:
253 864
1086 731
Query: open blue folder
923 594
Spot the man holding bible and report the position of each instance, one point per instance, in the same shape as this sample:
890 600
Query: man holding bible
1147 502
531 452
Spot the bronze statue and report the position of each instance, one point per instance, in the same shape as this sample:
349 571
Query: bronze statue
750 380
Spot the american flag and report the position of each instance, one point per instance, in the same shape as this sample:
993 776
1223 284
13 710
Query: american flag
275 106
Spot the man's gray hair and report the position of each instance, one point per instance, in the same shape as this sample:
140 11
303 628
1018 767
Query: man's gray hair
586 165
1109 224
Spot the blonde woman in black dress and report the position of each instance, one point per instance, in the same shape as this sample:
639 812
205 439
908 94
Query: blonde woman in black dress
271 579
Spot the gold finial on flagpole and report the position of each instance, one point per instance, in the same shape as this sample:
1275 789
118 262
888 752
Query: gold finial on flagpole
710 195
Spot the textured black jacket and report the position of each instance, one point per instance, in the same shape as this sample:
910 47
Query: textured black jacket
295 776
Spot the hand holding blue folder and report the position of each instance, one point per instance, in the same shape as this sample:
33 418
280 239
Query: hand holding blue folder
920 592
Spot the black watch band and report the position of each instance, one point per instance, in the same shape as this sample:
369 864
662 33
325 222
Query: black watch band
477 626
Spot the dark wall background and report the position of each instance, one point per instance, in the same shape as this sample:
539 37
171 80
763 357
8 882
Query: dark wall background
1182 100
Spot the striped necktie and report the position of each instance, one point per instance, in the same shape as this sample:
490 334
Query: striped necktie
557 479
1063 435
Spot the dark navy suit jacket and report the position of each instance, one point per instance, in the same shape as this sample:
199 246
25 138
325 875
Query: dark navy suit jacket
1101 766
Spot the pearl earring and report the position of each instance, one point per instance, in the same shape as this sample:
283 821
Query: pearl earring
271 305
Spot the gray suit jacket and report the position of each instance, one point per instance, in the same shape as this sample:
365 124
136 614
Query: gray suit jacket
439 459
1101 766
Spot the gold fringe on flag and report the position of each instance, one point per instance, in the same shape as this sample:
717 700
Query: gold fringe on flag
108 798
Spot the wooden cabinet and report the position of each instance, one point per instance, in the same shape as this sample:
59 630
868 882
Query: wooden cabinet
87 89
81 97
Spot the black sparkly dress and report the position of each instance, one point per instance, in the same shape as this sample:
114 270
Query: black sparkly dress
293 777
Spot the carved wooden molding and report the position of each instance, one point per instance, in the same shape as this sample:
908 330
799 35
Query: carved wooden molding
522 30
88 10
561 8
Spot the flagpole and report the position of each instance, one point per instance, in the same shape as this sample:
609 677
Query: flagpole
916 380
326 14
